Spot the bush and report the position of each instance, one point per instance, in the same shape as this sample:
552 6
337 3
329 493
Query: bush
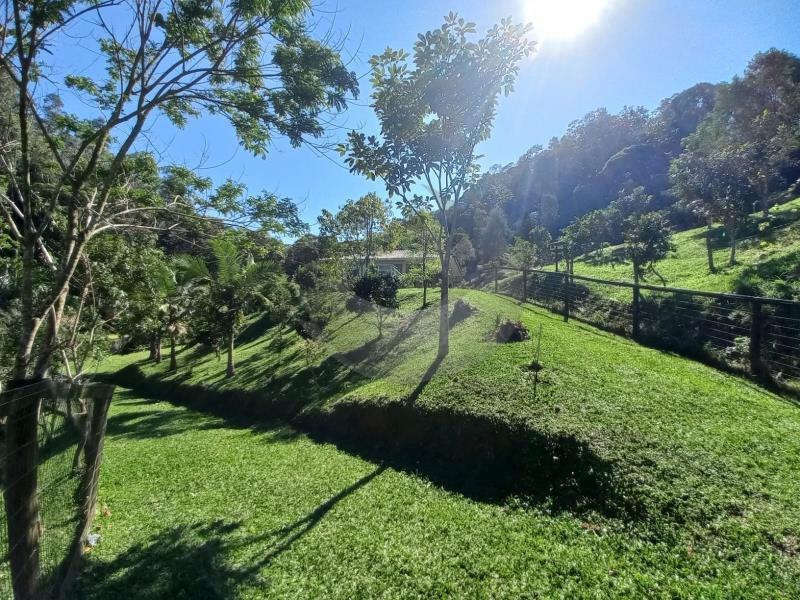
378 288
512 331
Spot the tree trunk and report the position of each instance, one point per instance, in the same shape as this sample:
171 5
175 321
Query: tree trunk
173 361
425 273
20 495
710 250
732 260
444 326
153 352
635 314
230 371
158 348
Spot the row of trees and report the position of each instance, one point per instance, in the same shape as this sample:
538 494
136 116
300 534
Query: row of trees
69 181
709 154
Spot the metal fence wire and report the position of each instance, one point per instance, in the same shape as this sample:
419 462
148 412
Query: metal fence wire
51 447
756 335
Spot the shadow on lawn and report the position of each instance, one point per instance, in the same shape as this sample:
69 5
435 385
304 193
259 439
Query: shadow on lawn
486 458
193 561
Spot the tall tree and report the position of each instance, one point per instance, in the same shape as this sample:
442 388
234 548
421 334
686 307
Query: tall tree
493 240
358 224
252 63
433 111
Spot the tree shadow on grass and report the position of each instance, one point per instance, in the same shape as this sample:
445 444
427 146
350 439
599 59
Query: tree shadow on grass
489 458
370 358
281 399
157 423
194 561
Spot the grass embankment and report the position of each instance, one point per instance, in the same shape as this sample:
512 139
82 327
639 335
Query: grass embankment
769 251
642 473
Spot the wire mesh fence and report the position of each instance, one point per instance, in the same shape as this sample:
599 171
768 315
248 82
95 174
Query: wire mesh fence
755 335
51 449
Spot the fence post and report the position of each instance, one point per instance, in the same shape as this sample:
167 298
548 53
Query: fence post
635 311
21 499
565 290
93 452
756 317
524 285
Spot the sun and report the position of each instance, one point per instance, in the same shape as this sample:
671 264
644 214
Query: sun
563 19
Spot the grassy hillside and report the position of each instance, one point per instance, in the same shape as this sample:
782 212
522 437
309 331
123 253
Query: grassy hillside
769 251
624 471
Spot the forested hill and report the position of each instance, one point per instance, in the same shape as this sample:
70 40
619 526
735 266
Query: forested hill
755 117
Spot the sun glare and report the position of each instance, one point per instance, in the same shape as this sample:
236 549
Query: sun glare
562 19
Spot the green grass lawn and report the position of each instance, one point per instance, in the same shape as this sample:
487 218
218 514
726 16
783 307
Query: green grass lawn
770 252
657 476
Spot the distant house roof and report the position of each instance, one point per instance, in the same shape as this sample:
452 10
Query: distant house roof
395 255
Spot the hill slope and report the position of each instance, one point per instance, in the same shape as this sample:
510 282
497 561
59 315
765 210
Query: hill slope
623 471
769 250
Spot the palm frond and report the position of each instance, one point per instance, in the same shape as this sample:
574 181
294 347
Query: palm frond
227 258
191 269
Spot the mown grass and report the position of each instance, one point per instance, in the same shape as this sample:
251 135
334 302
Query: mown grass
770 252
698 472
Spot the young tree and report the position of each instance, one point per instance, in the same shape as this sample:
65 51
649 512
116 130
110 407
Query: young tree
421 225
239 60
523 257
233 282
647 239
433 112
380 290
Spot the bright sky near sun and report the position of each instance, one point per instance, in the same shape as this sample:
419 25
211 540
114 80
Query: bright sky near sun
591 53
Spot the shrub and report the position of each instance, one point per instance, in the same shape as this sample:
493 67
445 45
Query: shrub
512 331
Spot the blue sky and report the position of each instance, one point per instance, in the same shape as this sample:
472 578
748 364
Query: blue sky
637 52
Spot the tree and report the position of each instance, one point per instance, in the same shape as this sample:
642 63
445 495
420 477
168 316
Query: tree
541 240
493 240
176 58
172 314
523 256
358 224
647 239
433 112
233 282
380 290
759 112
420 227
716 186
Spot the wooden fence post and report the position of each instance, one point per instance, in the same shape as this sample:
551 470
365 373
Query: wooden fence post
21 498
524 285
635 311
93 452
756 317
565 289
